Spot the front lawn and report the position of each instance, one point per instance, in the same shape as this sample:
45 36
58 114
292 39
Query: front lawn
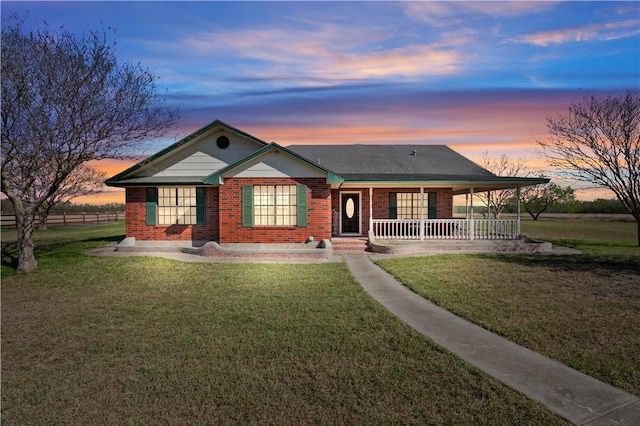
95 340
581 310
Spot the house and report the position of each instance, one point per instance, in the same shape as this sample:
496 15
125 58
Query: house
221 184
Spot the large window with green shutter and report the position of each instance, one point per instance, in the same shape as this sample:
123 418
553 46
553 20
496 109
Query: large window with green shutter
274 205
175 206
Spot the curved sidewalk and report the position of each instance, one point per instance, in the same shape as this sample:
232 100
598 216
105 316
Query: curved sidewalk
575 396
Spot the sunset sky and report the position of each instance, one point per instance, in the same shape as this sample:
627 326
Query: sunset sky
477 76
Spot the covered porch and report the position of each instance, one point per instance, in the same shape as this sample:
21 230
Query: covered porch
429 228
430 217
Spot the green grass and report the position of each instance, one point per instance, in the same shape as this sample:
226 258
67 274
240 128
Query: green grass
589 236
60 246
135 340
582 310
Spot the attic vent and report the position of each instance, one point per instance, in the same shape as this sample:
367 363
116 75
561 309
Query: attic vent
222 142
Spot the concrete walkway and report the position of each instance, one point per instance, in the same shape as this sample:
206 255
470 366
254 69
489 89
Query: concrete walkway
575 396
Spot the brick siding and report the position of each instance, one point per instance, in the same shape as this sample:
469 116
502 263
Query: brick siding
136 217
318 211
224 213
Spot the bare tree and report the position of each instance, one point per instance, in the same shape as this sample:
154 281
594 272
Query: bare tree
598 142
65 101
81 181
537 198
497 200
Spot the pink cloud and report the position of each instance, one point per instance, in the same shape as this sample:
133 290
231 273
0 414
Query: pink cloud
331 52
407 61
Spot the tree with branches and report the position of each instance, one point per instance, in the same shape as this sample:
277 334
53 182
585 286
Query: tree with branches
598 141
536 199
83 180
497 200
66 101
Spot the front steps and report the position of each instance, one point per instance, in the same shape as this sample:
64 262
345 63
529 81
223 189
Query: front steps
350 245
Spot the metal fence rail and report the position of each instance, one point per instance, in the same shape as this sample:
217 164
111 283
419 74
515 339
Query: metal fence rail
65 219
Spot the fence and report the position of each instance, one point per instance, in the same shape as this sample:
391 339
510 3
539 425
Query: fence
66 219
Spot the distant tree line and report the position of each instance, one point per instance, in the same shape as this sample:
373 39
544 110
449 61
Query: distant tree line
597 206
70 208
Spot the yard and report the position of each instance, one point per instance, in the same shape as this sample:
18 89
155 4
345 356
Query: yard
88 340
92 340
583 310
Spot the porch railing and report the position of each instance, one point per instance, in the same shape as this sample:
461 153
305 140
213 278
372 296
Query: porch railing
446 229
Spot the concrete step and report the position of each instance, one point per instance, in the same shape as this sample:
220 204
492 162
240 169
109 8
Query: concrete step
349 244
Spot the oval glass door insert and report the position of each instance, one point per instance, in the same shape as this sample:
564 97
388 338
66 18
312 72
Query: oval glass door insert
350 207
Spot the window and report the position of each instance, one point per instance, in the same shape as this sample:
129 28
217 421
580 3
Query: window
274 205
408 205
177 206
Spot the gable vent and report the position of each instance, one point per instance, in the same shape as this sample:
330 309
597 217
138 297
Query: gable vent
222 142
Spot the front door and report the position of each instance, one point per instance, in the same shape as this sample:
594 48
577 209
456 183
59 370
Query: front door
350 214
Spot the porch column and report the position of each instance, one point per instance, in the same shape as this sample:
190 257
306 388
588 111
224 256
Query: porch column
471 223
370 209
421 213
466 206
518 211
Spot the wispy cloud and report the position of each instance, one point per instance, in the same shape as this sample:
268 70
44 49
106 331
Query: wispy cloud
441 14
327 53
601 31
417 60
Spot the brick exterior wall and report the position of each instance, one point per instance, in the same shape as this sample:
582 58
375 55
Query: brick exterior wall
318 211
380 202
224 213
136 217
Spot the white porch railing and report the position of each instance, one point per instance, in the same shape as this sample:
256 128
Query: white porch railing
446 229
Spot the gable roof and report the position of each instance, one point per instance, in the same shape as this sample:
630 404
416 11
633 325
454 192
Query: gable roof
354 165
217 177
125 177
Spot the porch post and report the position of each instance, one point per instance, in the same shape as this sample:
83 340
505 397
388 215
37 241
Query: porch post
421 213
518 210
471 223
370 209
466 206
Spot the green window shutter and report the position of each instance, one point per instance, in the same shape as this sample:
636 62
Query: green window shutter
301 200
152 201
201 206
433 205
393 205
247 205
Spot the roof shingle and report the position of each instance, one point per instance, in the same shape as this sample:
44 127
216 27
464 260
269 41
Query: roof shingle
393 162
